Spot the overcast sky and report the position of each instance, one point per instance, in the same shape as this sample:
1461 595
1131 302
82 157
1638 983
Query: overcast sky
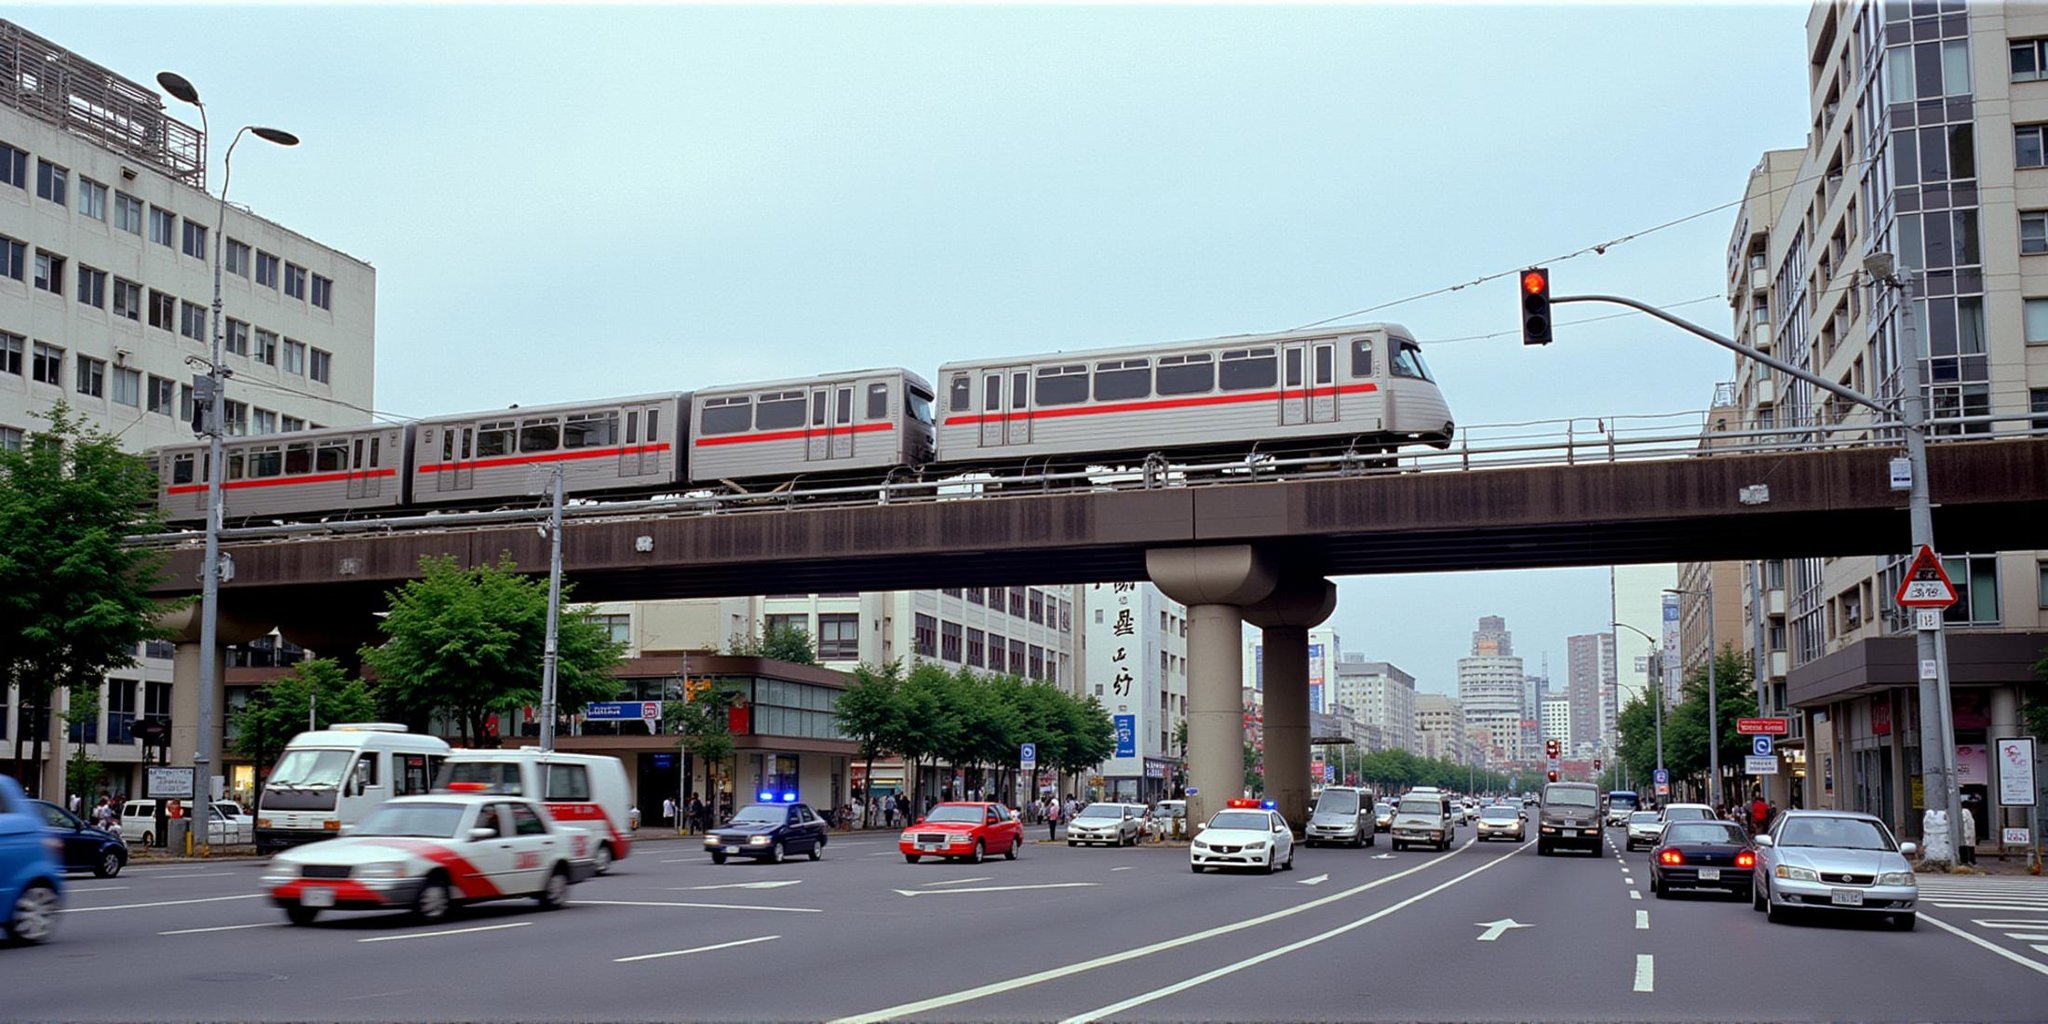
574 202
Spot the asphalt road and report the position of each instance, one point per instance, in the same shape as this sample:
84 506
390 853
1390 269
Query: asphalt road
1059 934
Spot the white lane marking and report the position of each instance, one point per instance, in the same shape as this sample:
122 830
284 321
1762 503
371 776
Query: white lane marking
884 853
1642 920
165 903
1253 961
1646 972
923 1006
1992 946
1125 868
99 888
961 881
2011 922
682 860
1634 895
997 888
223 928
451 931
738 885
1495 928
203 874
701 906
699 949
1317 880
2027 937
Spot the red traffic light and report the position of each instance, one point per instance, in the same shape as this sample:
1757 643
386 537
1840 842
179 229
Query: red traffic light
1553 776
1535 306
1535 282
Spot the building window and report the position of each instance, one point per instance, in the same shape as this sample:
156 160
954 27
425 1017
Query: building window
156 700
49 272
50 181
236 416
950 642
92 376
185 402
92 287
162 396
1976 581
10 441
238 258
1017 602
977 648
290 424
1036 600
195 239
128 213
294 356
976 595
2041 569
120 711
13 171
1036 665
163 309
264 422
295 280
838 636
2030 145
92 199
12 348
192 320
998 653
127 299
266 347
128 387
1016 658
47 365
321 366
618 627
163 226
266 269
323 292
924 636
237 340
13 258
2029 59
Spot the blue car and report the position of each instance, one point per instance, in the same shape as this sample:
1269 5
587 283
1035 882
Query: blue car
31 881
84 848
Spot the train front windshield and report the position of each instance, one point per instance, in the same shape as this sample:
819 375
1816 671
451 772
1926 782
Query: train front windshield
921 408
1408 362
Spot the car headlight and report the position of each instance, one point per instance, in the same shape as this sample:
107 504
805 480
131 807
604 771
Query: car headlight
1795 873
1200 845
907 837
1260 845
712 840
757 840
1895 878
389 869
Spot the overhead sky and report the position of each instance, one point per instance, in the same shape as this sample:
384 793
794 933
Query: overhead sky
568 202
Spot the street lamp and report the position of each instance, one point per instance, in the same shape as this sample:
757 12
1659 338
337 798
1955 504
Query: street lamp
1657 704
216 387
1713 697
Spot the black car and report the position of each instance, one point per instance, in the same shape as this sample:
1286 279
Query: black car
85 848
1712 855
768 832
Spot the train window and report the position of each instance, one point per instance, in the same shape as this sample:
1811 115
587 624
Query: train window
1062 385
878 401
780 410
181 469
266 462
494 438
374 459
298 457
540 434
1407 362
1120 379
591 430
1361 357
632 426
1020 390
1186 375
962 396
653 424
842 407
234 466
1293 367
818 408
725 415
332 457
920 407
1325 358
1246 368
992 397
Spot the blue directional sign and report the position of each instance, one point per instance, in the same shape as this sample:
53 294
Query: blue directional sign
1760 746
1126 735
1028 755
622 710
1663 777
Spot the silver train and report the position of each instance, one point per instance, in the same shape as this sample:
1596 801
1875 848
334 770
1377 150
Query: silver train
1357 388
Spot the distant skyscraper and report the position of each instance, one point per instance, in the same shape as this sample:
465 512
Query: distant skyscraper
1490 685
1590 677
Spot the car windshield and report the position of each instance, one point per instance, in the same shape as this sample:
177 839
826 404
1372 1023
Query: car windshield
1110 811
1250 820
1687 814
1500 814
1422 809
1383 807
1621 801
1839 833
310 769
760 814
968 815
1643 818
1338 803
1563 797
432 821
1702 832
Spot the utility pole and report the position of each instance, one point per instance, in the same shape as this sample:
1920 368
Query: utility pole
551 653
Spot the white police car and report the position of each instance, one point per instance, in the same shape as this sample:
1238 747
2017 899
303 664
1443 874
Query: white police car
431 853
1245 834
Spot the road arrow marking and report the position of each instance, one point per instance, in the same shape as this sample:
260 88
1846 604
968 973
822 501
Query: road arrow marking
1495 928
1383 856
996 888
737 885
1317 880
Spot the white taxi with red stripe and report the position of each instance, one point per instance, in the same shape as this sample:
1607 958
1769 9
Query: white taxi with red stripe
429 854
588 791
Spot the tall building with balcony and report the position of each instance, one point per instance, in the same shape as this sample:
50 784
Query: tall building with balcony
1928 140
1490 684
1381 697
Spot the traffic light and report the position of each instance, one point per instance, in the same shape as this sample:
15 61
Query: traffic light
1535 306
1550 748
1596 764
1553 776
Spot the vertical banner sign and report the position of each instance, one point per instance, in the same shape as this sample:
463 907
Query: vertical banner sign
1670 635
2015 768
1126 735
1315 679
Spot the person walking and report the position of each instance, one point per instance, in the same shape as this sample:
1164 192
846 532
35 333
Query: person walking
1759 815
694 812
668 811
1052 821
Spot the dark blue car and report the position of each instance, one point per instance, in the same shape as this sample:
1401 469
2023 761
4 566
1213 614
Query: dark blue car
86 848
768 831
31 883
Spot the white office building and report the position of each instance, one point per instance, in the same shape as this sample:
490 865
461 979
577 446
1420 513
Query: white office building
1380 697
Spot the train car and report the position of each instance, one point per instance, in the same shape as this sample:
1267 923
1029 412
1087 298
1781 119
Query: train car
1333 389
300 475
611 446
862 423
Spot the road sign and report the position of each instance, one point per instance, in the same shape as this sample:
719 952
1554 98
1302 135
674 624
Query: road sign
1760 746
1760 765
1762 726
169 783
622 710
1027 754
1663 781
1926 585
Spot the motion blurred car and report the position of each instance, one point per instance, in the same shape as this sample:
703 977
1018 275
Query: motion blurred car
959 829
1712 855
31 878
768 832
1836 861
1502 823
1643 828
1106 824
1244 834
82 847
1383 816
430 854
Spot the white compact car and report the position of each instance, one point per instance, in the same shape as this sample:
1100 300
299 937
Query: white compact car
430 853
1245 834
1643 828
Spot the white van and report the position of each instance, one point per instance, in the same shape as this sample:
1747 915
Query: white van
331 777
586 790
138 824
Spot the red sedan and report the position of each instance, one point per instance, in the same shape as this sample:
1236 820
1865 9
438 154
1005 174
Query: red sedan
969 830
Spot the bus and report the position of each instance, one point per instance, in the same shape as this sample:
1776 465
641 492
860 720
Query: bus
1620 804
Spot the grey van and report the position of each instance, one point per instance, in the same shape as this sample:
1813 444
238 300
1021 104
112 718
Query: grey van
1569 816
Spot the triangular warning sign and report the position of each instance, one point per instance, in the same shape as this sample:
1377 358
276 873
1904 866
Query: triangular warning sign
1925 585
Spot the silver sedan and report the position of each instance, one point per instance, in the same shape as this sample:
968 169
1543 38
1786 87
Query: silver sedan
1836 861
1108 824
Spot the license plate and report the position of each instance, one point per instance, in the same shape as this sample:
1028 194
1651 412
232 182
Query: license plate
931 846
1569 833
732 849
1710 874
1846 897
316 897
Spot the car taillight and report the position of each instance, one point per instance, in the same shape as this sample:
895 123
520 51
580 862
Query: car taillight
1745 859
1670 857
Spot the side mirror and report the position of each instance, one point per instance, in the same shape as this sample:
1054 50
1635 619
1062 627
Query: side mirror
1905 849
1766 841
480 834
1200 826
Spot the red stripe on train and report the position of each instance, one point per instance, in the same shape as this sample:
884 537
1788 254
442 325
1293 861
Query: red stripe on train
521 460
785 435
1155 405
282 481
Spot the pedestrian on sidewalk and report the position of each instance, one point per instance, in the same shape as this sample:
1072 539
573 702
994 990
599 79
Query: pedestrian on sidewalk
695 812
1052 821
668 811
1966 851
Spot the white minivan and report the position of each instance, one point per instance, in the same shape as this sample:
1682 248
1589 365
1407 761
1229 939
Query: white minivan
586 790
138 823
331 777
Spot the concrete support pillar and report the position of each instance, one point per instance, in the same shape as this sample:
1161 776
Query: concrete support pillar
1215 583
1296 605
2005 722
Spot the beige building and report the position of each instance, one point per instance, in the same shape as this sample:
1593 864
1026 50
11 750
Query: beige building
1381 698
1440 724
1928 140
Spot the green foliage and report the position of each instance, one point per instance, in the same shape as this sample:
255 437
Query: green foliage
1685 725
467 643
74 601
82 774
703 727
280 710
868 712
781 642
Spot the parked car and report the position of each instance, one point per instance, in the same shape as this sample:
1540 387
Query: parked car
962 829
1835 861
1168 819
1712 855
81 847
768 832
31 876
1107 823
138 824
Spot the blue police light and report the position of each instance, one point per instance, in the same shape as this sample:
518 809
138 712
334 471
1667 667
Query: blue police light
1268 805
766 797
789 798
